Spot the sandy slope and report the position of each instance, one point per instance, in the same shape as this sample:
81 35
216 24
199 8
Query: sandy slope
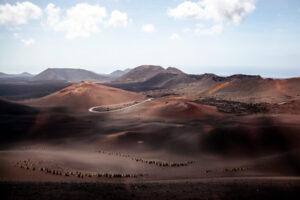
246 90
227 150
83 95
175 107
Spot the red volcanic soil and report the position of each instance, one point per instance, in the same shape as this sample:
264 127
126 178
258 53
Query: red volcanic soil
240 89
140 73
265 90
172 107
83 95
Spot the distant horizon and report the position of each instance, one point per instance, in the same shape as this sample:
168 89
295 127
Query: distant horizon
280 75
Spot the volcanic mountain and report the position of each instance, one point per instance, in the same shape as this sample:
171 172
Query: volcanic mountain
26 74
14 78
83 95
243 88
22 75
140 74
118 73
66 74
238 87
150 77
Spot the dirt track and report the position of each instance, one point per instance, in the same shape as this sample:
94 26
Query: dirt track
105 107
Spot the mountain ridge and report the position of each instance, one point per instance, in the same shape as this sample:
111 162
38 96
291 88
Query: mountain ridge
68 74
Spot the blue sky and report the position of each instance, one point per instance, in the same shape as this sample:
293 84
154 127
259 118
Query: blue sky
214 36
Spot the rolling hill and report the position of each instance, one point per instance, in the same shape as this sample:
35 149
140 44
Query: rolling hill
21 75
140 74
11 78
150 77
81 96
68 74
239 87
244 88
118 73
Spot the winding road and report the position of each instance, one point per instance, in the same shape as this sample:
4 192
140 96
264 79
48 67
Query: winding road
92 109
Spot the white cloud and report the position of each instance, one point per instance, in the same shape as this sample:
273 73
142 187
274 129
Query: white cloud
214 30
53 17
216 10
80 21
174 36
19 13
219 11
29 41
148 28
185 10
118 18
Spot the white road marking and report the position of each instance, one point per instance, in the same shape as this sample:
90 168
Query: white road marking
117 110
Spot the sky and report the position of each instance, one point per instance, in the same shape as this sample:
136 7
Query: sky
197 36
